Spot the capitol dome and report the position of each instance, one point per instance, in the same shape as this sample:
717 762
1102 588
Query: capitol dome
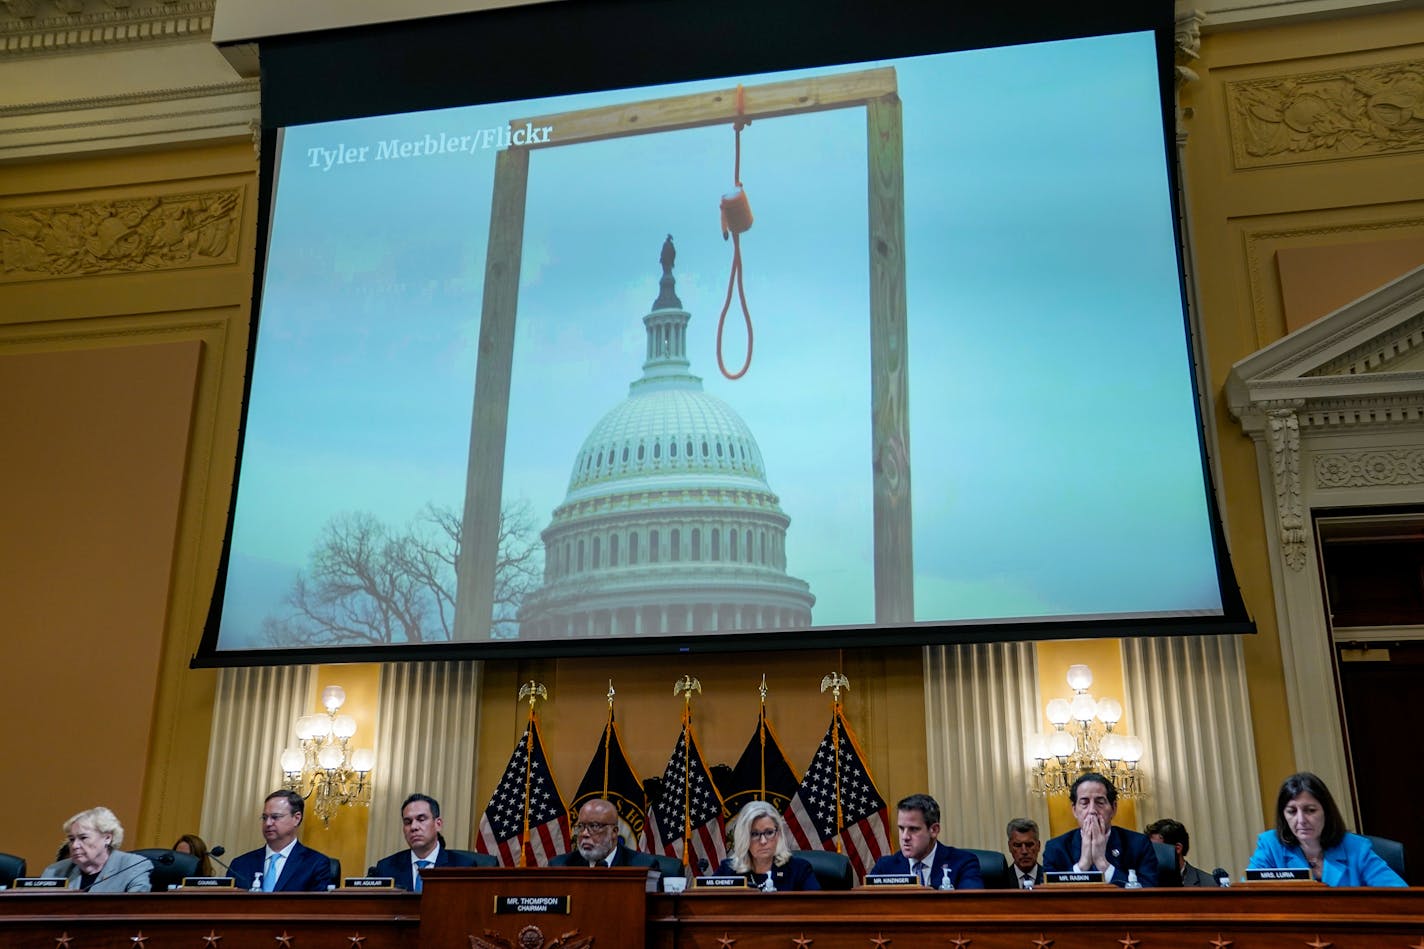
669 525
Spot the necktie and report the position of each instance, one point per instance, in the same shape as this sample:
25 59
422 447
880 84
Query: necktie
419 881
269 879
919 870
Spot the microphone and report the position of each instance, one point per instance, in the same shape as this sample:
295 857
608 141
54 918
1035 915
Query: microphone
1221 876
217 852
164 859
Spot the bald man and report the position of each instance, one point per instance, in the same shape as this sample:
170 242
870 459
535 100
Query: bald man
596 840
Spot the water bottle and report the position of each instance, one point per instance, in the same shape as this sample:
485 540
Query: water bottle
945 883
1132 883
256 886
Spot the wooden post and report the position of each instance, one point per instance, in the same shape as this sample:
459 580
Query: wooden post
484 479
889 369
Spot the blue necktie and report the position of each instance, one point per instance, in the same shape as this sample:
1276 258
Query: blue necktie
269 879
419 866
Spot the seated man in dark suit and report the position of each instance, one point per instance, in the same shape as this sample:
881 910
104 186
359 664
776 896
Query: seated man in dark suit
421 823
1097 844
938 865
596 840
284 865
1023 853
1174 834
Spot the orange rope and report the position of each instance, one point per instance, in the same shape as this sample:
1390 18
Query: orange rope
735 277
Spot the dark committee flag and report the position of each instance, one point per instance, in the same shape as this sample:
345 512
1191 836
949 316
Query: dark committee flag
689 810
762 773
837 799
525 822
610 775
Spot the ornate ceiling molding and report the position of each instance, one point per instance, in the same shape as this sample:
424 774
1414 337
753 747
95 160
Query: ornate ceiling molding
62 26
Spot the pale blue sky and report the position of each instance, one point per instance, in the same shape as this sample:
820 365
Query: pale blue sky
1054 449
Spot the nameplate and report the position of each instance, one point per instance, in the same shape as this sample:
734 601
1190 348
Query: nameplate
531 904
892 879
1072 876
208 883
1276 874
728 881
369 883
40 883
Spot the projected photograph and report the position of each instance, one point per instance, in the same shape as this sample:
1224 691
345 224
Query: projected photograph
867 346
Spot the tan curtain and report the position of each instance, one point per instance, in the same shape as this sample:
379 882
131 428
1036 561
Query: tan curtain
979 710
254 711
1187 699
427 723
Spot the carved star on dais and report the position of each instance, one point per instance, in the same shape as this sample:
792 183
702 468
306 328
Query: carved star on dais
878 941
63 940
284 940
211 940
1129 943
1419 944
1041 943
960 942
139 939
1318 944
801 942
1219 943
357 939
726 942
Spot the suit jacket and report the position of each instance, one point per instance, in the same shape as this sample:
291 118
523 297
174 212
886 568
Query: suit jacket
1352 862
794 874
1195 876
1014 874
1127 850
305 870
963 867
398 866
123 872
622 857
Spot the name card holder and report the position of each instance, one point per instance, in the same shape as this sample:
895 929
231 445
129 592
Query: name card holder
207 883
39 883
893 879
720 882
368 883
504 905
1072 877
1279 875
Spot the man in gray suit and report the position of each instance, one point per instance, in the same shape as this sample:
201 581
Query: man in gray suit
95 863
1174 834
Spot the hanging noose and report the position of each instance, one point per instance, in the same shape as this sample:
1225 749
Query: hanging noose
736 218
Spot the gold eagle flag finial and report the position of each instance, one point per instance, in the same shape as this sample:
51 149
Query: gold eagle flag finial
685 687
835 682
533 691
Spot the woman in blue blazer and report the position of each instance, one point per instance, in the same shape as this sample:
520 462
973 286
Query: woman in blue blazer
761 854
1311 833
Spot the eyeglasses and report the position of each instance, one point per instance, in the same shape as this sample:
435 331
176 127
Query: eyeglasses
591 827
762 836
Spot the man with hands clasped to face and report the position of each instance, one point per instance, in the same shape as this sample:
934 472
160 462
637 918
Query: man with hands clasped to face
1097 844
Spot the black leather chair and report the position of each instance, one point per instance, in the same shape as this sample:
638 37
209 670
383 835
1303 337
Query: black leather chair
335 871
11 868
994 868
1167 872
832 869
1391 852
472 858
169 867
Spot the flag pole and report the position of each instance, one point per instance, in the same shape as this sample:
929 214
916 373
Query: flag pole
686 685
761 733
533 691
835 682
607 737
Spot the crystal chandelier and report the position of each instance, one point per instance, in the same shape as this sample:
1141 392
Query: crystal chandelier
1083 740
324 770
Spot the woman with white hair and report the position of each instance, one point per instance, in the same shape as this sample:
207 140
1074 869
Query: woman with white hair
95 863
760 852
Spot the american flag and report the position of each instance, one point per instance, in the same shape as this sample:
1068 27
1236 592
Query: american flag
502 826
689 801
861 820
